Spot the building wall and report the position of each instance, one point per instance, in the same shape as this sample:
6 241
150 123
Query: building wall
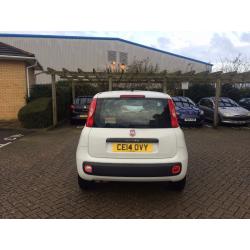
87 54
12 88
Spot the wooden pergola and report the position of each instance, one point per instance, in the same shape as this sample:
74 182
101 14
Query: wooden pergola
110 78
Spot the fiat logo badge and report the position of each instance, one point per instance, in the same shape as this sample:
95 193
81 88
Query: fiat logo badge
132 132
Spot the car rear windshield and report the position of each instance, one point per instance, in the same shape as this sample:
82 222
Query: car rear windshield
227 103
182 104
83 100
132 113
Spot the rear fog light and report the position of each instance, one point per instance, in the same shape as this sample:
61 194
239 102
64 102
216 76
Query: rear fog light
176 169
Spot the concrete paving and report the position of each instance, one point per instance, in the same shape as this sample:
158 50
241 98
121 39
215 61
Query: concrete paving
39 180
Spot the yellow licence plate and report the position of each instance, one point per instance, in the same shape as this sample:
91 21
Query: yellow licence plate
132 147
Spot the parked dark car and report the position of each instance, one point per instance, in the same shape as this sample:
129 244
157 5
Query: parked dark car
245 103
229 111
80 108
188 112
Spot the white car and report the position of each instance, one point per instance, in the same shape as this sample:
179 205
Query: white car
132 136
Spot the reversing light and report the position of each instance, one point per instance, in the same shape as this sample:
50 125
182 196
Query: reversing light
88 169
176 169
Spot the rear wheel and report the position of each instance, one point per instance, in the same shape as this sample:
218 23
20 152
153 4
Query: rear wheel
179 185
83 184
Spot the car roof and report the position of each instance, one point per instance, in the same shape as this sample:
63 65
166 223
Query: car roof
117 94
180 98
84 96
213 98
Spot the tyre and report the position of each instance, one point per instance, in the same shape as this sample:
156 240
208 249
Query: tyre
179 185
83 184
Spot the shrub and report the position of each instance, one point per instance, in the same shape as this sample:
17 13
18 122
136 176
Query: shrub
198 91
87 89
230 91
36 114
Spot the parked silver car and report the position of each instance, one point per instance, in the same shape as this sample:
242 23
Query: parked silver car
229 111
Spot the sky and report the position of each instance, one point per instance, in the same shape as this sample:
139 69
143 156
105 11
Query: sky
208 31
206 46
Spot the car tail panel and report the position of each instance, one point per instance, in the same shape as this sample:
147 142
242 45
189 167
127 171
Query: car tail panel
147 143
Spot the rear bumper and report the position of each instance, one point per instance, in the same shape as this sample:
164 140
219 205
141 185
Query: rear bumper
131 170
145 170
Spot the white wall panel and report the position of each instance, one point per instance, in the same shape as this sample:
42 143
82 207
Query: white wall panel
87 54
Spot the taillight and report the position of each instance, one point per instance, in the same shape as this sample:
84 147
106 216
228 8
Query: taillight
72 107
174 120
90 119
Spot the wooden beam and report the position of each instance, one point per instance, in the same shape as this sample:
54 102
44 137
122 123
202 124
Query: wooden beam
110 83
164 87
85 74
73 89
50 71
216 102
53 92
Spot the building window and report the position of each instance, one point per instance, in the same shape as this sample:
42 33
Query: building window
112 56
123 58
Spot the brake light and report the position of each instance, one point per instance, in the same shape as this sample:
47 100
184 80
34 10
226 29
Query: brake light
90 119
174 120
132 96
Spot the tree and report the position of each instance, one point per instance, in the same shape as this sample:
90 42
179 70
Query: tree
142 66
239 63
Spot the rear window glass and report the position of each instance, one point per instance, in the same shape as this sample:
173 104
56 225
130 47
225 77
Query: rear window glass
183 102
83 100
227 103
132 113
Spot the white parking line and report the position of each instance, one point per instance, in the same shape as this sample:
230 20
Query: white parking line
3 145
10 139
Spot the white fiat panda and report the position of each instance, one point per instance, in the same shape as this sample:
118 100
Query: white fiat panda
132 136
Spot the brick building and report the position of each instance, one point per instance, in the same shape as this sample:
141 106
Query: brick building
17 74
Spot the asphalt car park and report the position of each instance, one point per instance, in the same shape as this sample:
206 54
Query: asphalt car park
38 180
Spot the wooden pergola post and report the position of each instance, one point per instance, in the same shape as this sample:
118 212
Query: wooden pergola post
164 87
216 102
73 91
110 83
53 92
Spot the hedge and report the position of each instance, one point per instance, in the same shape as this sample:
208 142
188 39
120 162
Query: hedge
36 114
38 111
198 91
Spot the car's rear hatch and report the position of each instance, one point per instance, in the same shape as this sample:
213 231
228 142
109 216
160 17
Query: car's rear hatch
134 127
